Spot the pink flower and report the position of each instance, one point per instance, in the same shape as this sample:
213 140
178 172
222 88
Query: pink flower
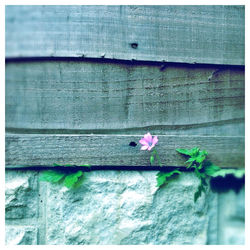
148 142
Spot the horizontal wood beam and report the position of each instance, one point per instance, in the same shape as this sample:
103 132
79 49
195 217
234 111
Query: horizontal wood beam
107 97
186 34
114 150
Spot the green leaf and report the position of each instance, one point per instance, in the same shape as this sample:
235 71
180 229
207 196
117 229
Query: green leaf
85 165
204 183
71 179
197 195
160 180
210 170
165 177
51 176
56 165
190 161
184 151
152 159
200 166
200 158
204 152
238 173
79 182
198 174
194 151
199 192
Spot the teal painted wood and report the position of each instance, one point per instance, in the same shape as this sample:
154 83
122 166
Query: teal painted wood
114 150
110 98
190 34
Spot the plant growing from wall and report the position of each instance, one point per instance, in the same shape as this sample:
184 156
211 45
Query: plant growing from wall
69 177
148 143
205 169
201 167
196 161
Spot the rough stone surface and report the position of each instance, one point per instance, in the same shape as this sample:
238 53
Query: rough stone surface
212 234
122 207
22 235
21 195
232 218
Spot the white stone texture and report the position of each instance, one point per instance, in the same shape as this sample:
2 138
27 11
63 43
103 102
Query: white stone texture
121 207
20 235
125 207
212 234
232 218
21 195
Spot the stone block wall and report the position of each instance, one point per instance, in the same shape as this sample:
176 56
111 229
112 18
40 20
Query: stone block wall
119 207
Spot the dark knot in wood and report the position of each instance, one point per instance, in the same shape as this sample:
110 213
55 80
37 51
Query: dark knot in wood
134 45
132 144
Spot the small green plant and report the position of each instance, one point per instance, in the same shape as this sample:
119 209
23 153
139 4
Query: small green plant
205 169
163 178
71 178
196 160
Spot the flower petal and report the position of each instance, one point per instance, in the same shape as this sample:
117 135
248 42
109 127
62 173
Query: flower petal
149 148
148 137
145 147
143 141
155 140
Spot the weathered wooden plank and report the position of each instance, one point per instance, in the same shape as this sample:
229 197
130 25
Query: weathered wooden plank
191 34
114 150
91 97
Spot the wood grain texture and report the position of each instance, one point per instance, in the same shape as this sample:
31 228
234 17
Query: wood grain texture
91 97
190 34
114 150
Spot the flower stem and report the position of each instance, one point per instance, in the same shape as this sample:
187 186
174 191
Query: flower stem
157 156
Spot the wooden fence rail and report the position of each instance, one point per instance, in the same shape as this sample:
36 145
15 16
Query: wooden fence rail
114 150
174 71
189 34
